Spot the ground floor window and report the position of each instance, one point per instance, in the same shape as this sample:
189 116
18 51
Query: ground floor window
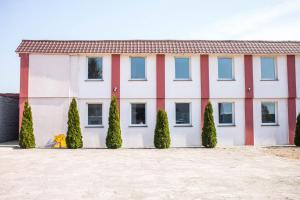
268 112
226 113
138 114
94 114
183 115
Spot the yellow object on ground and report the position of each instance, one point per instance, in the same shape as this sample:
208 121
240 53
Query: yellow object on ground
60 141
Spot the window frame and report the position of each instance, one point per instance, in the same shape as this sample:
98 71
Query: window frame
130 115
276 114
87 115
275 69
130 74
233 114
190 115
232 69
190 70
87 71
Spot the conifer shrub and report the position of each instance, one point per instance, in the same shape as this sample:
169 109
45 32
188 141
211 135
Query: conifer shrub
74 137
209 135
162 138
114 137
297 132
26 136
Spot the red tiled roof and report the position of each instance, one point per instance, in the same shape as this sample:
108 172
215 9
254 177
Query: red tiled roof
159 46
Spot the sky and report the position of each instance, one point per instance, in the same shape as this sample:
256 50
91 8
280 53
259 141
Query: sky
139 19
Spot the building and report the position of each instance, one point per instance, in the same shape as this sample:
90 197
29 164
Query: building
254 87
9 116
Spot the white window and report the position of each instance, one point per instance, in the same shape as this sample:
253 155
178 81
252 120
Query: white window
226 113
268 113
182 68
138 114
95 68
94 114
225 69
268 68
183 115
138 68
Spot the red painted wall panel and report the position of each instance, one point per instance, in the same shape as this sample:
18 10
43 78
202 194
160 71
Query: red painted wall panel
115 77
291 73
24 70
160 81
204 73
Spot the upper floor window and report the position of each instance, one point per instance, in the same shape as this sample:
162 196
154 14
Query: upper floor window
182 68
225 71
183 115
95 68
268 113
268 69
138 71
94 114
138 114
226 113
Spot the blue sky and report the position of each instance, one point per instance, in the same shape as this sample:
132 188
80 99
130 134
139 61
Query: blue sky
139 19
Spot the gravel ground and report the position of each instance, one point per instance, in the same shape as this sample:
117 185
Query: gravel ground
178 173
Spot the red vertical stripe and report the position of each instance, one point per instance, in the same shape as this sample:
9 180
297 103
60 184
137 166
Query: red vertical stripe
24 70
291 73
204 71
115 77
160 81
248 68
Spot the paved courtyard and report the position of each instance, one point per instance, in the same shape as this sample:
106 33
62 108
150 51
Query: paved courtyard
189 173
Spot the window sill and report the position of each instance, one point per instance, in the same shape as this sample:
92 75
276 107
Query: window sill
137 80
226 79
270 125
182 80
94 126
226 125
269 79
93 80
183 125
138 126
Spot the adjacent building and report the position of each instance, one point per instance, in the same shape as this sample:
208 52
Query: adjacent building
254 87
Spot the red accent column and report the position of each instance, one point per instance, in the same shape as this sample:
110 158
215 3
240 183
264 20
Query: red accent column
291 72
115 77
249 134
204 70
160 81
24 70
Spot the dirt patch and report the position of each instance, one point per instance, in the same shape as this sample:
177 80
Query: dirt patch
291 152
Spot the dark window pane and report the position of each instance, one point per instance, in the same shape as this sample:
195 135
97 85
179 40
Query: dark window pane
225 113
95 68
94 114
138 68
138 114
268 112
225 68
182 113
182 70
267 68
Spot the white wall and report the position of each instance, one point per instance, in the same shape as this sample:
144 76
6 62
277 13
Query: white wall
271 135
227 89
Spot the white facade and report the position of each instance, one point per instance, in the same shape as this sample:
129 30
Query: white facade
55 79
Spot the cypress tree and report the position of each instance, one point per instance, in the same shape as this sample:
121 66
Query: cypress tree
114 137
74 137
209 135
162 138
297 132
26 136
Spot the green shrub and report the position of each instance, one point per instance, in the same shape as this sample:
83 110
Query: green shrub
114 137
297 132
74 137
209 135
26 136
162 138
